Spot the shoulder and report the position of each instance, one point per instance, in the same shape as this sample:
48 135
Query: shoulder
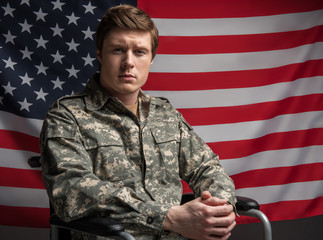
162 102
70 101
165 107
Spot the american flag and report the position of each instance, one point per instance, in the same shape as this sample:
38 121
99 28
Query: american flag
246 74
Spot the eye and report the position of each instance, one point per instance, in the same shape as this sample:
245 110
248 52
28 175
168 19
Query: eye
140 52
117 50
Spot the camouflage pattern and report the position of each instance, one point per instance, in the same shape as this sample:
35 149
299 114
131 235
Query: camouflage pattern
99 159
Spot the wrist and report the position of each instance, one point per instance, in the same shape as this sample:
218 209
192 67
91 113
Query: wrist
170 219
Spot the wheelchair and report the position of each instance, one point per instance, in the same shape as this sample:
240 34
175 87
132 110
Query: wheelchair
107 227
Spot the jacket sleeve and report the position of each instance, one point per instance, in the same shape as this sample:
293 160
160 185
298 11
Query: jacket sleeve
200 166
76 192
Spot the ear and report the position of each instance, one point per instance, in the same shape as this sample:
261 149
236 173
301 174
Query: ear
98 55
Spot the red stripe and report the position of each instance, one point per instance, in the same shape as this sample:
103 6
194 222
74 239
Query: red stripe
18 141
277 176
224 9
232 79
288 210
252 112
23 178
238 43
273 141
24 216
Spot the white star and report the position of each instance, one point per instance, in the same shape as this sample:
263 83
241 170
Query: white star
41 94
9 63
9 89
89 8
72 71
88 33
25 2
24 105
25 26
8 10
72 19
88 60
26 79
57 83
9 37
26 53
57 30
72 45
57 5
57 57
40 15
41 42
41 69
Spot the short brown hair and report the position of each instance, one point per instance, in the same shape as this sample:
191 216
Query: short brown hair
126 17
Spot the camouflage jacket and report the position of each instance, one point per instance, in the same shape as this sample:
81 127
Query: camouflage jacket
99 159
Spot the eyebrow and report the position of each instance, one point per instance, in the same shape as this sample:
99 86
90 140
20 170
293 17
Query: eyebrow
118 43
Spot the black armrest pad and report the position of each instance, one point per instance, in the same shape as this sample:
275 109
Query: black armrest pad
99 226
244 203
34 162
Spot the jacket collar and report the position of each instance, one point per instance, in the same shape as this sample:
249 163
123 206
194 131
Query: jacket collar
96 97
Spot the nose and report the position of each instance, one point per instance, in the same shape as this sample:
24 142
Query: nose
128 60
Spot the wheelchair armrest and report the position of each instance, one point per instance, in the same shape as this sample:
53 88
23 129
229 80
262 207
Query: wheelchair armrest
105 227
34 162
245 204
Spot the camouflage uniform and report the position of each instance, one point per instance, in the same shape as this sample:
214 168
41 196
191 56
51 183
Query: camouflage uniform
99 159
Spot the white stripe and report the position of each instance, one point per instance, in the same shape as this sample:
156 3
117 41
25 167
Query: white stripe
236 61
256 129
237 26
23 197
15 158
287 192
242 96
274 159
13 122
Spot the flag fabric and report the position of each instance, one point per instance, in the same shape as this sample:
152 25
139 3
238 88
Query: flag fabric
47 50
247 75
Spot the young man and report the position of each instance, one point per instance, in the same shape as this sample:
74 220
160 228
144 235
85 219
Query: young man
113 151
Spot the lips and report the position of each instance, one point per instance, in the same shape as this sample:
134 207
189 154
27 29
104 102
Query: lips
127 77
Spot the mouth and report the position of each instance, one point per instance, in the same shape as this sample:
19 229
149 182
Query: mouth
127 77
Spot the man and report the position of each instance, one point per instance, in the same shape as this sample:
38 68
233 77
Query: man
113 151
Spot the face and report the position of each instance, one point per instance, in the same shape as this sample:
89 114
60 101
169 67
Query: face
125 60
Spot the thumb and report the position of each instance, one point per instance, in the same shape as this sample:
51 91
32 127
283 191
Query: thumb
206 195
214 201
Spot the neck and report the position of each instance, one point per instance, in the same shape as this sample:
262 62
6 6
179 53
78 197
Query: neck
129 99
133 108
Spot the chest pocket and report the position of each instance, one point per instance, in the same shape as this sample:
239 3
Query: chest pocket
167 144
107 152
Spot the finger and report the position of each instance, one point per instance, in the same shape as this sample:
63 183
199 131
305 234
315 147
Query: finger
206 195
219 211
221 221
215 237
214 201
223 231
